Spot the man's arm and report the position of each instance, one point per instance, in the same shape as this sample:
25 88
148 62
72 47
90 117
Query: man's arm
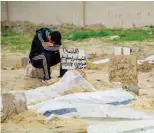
47 45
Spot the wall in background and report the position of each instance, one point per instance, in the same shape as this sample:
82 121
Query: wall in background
110 14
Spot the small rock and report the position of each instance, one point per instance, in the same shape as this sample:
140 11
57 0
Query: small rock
59 126
131 87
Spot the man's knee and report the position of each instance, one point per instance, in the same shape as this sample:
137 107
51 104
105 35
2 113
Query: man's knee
39 61
56 58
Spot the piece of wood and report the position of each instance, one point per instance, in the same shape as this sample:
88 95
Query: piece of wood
73 58
122 68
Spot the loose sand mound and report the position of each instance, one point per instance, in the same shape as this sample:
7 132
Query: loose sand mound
145 67
142 103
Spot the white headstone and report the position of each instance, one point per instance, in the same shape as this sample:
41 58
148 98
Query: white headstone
122 51
73 58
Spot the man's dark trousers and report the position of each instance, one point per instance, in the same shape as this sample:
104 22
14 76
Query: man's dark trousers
46 60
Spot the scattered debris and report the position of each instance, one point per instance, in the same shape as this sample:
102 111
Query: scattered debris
116 37
72 91
150 32
8 68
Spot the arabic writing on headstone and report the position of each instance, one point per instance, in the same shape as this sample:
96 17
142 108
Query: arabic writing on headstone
72 58
122 68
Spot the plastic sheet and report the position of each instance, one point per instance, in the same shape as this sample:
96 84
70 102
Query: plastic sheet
72 79
87 110
115 97
150 58
138 126
101 61
97 105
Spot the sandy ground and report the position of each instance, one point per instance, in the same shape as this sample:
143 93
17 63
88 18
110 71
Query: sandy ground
32 122
15 80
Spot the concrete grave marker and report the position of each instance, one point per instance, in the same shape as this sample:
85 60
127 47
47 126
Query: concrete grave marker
122 68
73 58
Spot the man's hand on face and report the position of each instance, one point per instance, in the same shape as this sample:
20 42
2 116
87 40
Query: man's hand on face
48 44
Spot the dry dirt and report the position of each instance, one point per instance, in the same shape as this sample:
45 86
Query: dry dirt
28 122
31 122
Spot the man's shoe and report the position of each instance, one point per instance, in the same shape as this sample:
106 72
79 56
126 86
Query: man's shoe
62 72
60 76
47 82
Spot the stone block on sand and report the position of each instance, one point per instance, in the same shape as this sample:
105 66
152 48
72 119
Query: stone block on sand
33 72
12 104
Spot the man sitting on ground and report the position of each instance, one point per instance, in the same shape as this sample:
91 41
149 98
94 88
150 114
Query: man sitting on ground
45 51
